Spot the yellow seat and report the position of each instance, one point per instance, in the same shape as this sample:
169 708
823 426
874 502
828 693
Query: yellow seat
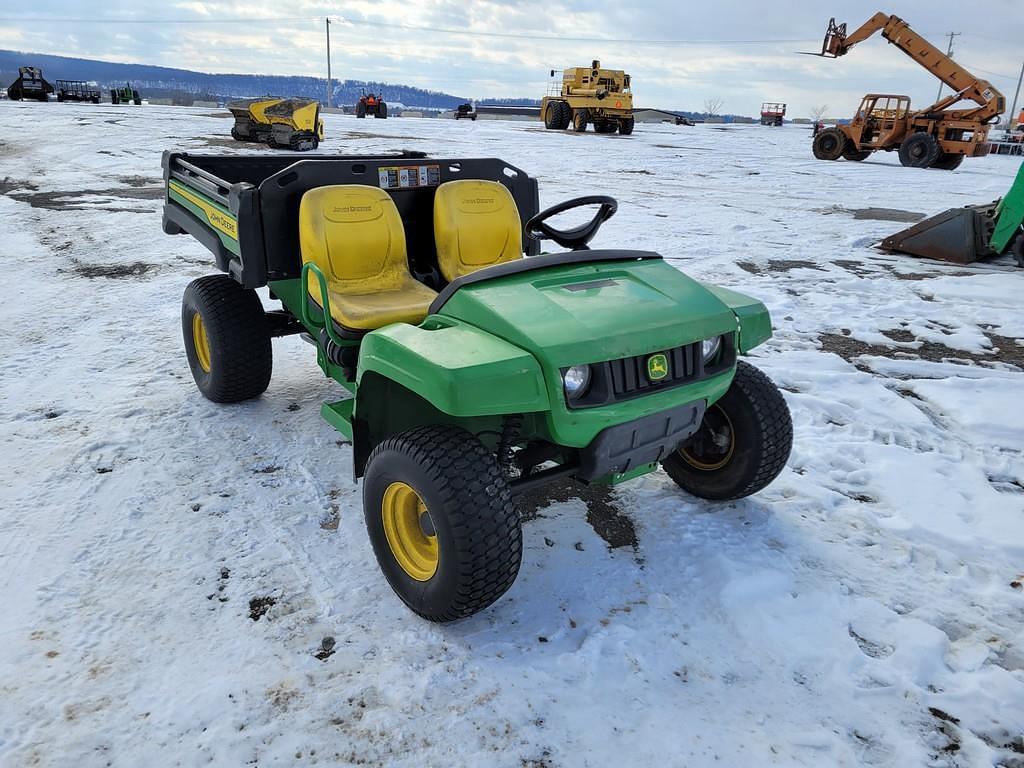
476 225
354 234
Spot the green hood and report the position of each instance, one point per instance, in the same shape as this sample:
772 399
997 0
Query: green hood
591 312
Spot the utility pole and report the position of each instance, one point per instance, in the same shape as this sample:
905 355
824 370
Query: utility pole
1013 110
949 52
328 24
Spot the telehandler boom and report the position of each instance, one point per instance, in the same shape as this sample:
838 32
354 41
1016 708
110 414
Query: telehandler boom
937 136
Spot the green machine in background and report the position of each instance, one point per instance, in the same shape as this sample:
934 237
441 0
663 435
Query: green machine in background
476 368
967 234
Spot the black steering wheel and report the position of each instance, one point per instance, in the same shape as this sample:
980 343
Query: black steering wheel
575 239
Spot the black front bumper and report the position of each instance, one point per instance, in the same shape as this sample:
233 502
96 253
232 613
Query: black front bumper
651 438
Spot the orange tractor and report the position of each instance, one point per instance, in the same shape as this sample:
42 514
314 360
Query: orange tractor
371 104
938 136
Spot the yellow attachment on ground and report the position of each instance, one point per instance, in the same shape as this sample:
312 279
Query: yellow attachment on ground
354 234
201 342
476 225
299 114
409 531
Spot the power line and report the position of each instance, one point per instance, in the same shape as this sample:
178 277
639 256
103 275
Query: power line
405 27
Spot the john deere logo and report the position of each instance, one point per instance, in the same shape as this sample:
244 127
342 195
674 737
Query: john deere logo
657 367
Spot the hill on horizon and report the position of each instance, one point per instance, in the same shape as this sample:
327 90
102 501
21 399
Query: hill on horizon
184 85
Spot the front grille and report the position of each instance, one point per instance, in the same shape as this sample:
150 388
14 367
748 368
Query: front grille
629 375
623 379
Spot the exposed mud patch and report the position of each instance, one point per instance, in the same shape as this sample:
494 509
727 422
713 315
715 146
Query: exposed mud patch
873 214
777 265
82 199
113 271
603 514
259 606
850 349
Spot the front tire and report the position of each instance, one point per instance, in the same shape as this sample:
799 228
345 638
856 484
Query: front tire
742 444
226 339
919 150
440 517
625 126
829 144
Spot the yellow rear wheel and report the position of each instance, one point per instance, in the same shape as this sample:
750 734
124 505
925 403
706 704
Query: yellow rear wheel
409 531
201 341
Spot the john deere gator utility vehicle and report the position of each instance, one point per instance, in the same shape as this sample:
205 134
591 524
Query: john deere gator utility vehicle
938 136
282 123
475 368
590 95
126 95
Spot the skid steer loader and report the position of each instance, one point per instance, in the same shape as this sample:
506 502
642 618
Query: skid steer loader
282 123
967 234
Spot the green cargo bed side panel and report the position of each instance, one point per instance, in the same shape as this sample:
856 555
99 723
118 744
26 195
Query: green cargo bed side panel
214 215
459 369
1010 214
755 322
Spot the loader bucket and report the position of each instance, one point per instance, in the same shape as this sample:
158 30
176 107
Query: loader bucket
959 235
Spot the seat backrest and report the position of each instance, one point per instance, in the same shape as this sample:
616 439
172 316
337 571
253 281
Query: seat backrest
354 234
476 225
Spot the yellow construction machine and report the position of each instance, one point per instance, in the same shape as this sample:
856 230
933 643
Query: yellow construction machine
590 95
938 136
284 123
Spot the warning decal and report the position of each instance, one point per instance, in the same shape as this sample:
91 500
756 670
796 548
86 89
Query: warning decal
409 176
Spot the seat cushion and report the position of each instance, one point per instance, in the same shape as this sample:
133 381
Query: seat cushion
367 311
354 235
476 225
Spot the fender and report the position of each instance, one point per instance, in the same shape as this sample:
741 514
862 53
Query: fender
754 321
459 369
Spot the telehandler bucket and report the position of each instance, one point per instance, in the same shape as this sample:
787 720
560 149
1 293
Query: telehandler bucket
967 234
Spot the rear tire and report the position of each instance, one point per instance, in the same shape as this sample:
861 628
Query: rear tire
754 418
625 126
919 150
948 161
440 517
228 346
382 111
580 118
829 144
360 109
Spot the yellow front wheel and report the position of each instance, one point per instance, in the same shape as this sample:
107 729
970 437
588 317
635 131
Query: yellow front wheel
440 516
410 531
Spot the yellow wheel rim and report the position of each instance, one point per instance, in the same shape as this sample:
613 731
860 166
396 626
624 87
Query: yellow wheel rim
712 462
405 517
201 342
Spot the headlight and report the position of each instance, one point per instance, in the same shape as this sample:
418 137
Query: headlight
576 380
709 347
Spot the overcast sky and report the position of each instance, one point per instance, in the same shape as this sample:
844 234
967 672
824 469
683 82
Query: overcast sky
714 49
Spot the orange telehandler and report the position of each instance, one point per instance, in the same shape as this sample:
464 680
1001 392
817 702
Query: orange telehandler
937 136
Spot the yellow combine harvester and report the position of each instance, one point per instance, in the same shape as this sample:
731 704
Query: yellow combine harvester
285 123
590 95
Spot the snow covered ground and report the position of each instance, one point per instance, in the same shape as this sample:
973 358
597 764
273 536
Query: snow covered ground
170 569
